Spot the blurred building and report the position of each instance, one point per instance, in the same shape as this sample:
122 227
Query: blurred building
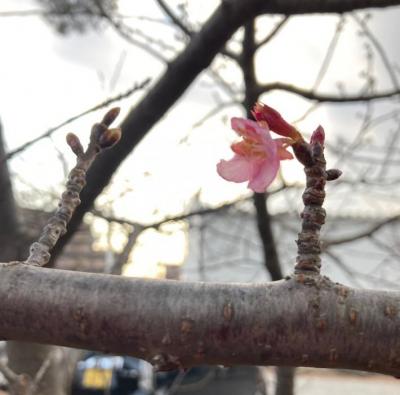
225 246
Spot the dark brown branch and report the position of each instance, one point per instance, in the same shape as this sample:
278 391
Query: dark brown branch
312 323
320 97
264 225
105 103
294 7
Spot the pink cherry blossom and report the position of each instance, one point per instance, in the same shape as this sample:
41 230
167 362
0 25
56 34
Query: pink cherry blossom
257 156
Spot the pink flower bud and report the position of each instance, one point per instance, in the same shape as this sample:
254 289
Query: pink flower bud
276 123
318 136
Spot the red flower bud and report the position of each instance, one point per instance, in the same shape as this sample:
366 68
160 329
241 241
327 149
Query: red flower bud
276 123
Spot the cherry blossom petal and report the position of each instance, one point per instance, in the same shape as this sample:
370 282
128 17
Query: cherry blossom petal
237 169
249 129
281 146
263 174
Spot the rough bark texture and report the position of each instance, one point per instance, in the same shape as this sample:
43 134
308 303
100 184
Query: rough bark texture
303 321
183 70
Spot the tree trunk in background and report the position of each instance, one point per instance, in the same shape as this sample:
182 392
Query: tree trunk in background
284 374
284 380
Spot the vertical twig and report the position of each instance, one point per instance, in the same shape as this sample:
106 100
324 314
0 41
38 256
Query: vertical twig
101 138
313 216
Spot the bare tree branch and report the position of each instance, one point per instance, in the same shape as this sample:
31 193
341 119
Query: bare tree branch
165 323
174 18
272 33
320 97
180 217
369 232
105 103
382 53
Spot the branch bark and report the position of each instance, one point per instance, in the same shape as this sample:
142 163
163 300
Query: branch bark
302 321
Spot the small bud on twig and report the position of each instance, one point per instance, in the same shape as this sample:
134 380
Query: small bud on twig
109 118
74 143
318 136
109 138
333 174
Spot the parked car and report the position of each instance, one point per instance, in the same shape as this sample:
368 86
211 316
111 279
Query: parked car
100 374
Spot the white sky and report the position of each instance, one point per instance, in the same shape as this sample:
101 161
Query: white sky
46 78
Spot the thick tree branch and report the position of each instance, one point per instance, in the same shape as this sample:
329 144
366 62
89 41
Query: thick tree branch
304 321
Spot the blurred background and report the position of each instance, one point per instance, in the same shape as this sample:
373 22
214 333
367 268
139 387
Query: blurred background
154 206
